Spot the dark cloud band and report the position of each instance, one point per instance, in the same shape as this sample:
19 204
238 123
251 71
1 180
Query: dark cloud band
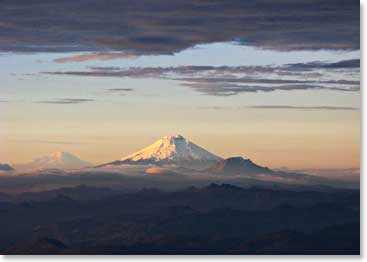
169 26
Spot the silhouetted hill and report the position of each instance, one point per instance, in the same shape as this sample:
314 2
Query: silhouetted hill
239 166
83 220
338 239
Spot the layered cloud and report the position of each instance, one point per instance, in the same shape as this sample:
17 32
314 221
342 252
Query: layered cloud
169 26
233 80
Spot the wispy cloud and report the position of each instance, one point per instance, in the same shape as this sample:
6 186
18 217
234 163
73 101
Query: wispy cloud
286 107
352 63
228 89
251 80
65 101
94 56
120 89
42 141
220 72
233 80
156 27
104 68
304 107
213 107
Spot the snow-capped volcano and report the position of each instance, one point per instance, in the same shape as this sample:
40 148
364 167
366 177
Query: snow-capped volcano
59 160
171 150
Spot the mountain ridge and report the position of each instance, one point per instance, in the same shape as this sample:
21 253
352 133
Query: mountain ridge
238 165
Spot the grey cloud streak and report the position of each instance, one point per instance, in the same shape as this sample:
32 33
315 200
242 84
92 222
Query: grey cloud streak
247 80
65 101
352 63
303 107
287 107
120 89
228 89
299 69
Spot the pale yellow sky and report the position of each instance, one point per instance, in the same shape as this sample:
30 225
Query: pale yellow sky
109 125
275 138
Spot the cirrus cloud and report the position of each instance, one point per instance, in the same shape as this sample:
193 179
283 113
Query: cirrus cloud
93 56
288 107
232 80
65 101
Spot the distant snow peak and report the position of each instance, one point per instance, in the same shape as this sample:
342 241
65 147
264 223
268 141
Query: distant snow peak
58 160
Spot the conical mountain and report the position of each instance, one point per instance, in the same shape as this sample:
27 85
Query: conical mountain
171 150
